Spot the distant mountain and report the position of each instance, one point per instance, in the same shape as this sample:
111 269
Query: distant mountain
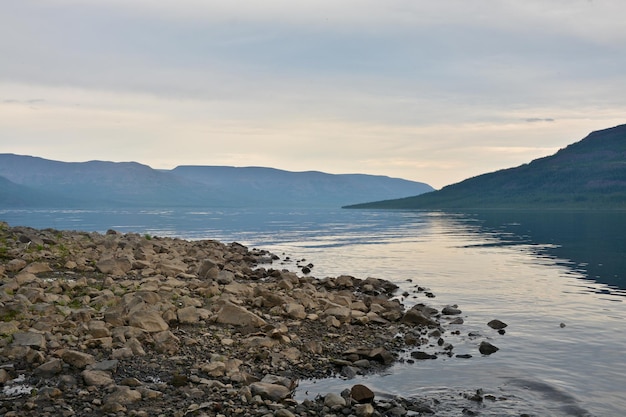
27 181
589 174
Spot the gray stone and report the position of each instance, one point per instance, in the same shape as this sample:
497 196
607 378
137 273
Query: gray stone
30 339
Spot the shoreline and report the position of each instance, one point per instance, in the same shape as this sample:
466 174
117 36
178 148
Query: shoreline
124 324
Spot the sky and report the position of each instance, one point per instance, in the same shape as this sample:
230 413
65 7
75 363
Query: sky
431 91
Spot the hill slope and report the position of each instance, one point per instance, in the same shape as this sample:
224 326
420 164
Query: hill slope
590 173
27 181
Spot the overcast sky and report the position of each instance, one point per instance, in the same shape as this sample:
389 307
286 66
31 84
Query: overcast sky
434 91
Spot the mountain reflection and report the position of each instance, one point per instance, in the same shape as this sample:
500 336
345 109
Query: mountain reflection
592 243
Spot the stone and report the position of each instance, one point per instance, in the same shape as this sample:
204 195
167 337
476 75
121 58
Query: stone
364 410
225 277
166 342
381 355
123 395
274 392
97 378
487 348
295 311
188 315
114 266
238 316
8 328
361 394
37 268
334 400
77 359
416 317
497 324
50 368
148 320
450 310
422 355
30 339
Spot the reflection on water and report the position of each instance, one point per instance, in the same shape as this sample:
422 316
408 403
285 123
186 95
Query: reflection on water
532 270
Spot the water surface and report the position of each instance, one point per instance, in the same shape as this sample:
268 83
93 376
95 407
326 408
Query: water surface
557 279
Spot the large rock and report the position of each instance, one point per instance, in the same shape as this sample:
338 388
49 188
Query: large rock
30 339
78 359
188 315
238 316
361 394
148 320
487 348
417 318
497 324
97 378
114 266
273 392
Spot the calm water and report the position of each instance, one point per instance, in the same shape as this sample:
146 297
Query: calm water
532 270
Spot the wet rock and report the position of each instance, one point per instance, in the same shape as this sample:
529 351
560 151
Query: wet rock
361 394
417 318
422 355
487 348
497 324
450 310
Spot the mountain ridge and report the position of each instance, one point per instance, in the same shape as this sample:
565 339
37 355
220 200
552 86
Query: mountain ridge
35 181
587 174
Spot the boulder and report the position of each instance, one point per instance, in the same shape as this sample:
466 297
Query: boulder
418 318
188 315
487 348
273 392
497 324
238 316
97 378
77 359
148 320
30 339
50 368
361 394
334 400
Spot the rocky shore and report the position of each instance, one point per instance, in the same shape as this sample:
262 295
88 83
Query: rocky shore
125 324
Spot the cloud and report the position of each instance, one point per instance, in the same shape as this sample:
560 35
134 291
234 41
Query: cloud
538 119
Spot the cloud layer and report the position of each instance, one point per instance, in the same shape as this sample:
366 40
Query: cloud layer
431 91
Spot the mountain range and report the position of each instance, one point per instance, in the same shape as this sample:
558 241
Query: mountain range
589 174
28 181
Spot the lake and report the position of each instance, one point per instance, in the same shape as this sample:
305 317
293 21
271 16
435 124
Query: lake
558 279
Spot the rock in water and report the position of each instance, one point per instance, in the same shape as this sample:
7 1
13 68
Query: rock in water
487 348
497 324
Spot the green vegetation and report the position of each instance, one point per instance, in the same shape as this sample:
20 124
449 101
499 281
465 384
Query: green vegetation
590 174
